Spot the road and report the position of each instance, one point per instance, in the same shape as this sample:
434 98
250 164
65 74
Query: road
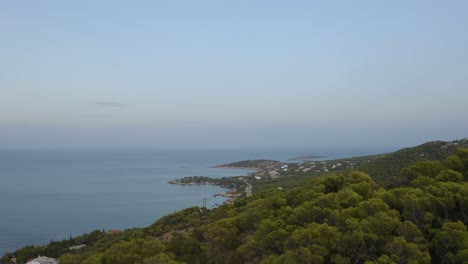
248 189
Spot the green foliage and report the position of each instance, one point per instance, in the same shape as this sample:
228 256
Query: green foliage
95 259
387 170
162 258
424 168
451 242
449 176
54 248
69 258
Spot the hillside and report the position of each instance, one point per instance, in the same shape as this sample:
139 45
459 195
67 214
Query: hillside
269 174
385 169
342 218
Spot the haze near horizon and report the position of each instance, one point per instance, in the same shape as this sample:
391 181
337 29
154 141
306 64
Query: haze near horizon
216 74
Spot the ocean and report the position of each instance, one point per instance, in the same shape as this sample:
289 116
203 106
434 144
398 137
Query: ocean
53 194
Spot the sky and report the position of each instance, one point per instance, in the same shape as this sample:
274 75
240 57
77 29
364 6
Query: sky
232 74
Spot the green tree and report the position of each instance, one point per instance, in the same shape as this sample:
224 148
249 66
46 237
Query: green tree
162 258
449 176
94 259
360 183
402 251
71 258
423 168
451 242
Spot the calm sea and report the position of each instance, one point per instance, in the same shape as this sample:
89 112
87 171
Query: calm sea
51 194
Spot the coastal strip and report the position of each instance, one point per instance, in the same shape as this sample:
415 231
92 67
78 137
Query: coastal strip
234 184
238 186
265 171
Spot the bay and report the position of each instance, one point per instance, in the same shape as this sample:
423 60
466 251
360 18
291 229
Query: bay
53 194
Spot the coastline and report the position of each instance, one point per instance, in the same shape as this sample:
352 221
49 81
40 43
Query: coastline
237 186
98 169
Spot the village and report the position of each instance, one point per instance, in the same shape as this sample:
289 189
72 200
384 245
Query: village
268 170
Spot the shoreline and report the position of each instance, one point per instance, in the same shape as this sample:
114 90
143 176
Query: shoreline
238 186
233 184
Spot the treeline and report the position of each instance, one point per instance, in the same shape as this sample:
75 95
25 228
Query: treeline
345 218
54 248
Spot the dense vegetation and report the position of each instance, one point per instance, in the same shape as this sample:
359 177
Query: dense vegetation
386 169
341 218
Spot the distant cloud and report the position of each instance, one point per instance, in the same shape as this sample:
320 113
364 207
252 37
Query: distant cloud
108 104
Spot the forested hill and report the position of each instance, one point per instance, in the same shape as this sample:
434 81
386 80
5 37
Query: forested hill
340 218
386 169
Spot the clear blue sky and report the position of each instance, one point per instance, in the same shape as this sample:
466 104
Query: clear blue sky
190 74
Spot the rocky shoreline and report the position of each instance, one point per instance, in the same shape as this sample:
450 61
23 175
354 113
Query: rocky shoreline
233 184
238 186
225 182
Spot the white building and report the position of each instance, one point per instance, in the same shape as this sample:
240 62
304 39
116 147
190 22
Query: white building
42 260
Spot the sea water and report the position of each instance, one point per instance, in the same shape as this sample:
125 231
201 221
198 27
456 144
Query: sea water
53 194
